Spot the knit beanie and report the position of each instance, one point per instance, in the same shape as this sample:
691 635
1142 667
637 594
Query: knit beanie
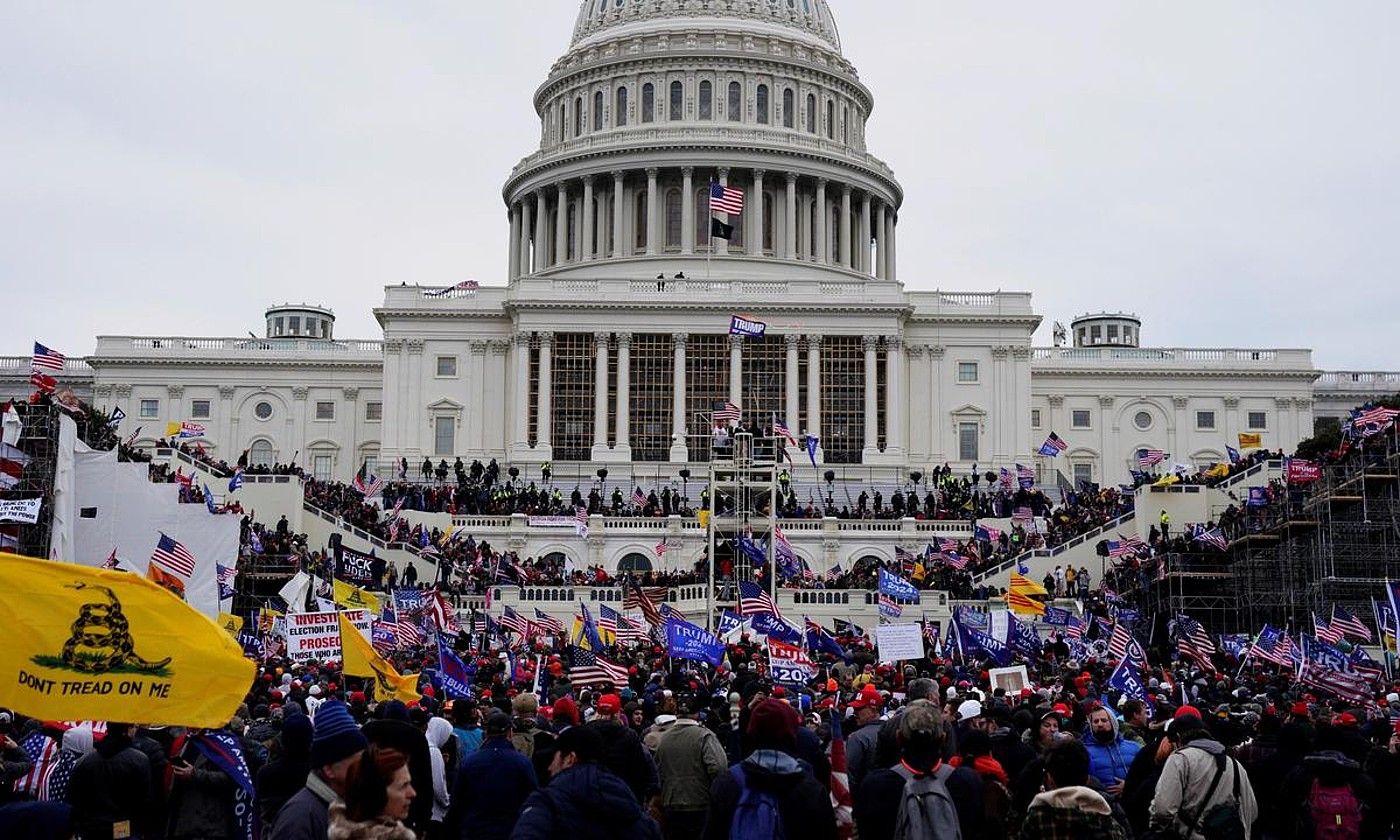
335 737
773 724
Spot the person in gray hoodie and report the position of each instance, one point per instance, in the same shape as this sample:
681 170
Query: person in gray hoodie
1181 797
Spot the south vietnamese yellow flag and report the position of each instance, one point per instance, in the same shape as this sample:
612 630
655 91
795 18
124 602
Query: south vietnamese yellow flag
1021 599
354 598
1251 440
90 644
361 660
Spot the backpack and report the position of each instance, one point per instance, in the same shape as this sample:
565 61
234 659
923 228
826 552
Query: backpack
1335 812
756 815
926 810
1222 821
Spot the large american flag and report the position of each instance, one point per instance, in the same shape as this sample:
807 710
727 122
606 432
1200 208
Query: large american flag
755 599
728 412
171 555
46 359
547 622
1275 647
725 199
1348 624
1148 457
638 497
780 430
1119 640
624 629
589 670
512 620
1192 640
1324 631
645 598
1213 537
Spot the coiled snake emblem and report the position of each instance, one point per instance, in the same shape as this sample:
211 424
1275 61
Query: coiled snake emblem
101 640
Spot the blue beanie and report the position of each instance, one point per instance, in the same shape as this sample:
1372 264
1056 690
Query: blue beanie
335 736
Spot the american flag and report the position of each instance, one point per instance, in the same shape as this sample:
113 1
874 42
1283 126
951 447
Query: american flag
840 781
725 199
947 545
548 623
1119 640
46 359
661 548
171 555
43 753
780 430
954 559
755 599
444 616
1325 632
1212 537
1273 646
626 631
730 413
479 622
1026 475
1348 624
589 670
645 598
1370 421
1352 687
514 621
1053 445
607 623
1192 640
1148 457
1021 514
581 521
1074 629
111 562
638 497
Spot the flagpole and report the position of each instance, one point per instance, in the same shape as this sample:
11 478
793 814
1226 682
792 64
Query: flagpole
709 230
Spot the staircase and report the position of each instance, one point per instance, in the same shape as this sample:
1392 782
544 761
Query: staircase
1080 551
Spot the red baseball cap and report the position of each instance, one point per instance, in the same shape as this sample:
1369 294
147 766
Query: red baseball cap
609 704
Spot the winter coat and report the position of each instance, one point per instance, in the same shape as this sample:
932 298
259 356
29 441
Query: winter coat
491 786
1333 769
688 759
439 731
625 756
278 782
201 805
111 784
878 799
861 746
584 802
380 828
1109 762
306 814
803 804
1186 777
409 740
1070 813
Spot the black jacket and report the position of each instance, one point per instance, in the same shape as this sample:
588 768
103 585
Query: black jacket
625 756
878 800
112 784
585 802
803 803
406 738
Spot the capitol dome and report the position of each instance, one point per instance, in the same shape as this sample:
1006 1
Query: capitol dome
810 20
655 101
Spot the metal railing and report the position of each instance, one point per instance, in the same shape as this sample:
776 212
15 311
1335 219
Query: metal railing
1008 565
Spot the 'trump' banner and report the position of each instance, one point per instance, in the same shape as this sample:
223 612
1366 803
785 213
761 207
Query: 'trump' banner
747 327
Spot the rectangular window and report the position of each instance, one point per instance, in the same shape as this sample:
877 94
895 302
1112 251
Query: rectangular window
150 408
1205 420
652 392
294 324
325 410
1112 333
1258 420
967 372
278 326
967 441
1035 418
446 365
444 436
842 383
199 409
1083 474
1080 418
1095 335
574 358
321 467
374 411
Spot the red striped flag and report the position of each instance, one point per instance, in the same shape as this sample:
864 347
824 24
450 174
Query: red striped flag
172 555
725 199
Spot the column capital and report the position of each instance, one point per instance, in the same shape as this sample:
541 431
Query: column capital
415 346
1232 402
722 172
545 338
175 391
679 339
845 190
1000 352
1179 402
393 345
652 171
562 187
122 390
1283 402
736 341
916 351
791 178
624 340
1019 352
822 182
102 392
791 339
300 392
1302 402
587 180
618 175
351 394
688 171
602 339
477 348
870 342
226 391
521 339
1106 402
937 351
498 346
1056 400
759 173
893 342
814 341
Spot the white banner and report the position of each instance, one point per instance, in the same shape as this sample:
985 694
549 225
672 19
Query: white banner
896 642
552 521
20 510
316 635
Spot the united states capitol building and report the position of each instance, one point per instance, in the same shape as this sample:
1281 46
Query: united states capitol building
607 344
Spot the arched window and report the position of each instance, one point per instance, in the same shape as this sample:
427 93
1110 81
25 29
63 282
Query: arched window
677 101
761 103
834 234
260 454
702 218
846 126
648 102
634 562
620 110
578 115
707 100
811 114
830 119
563 126
673 218
736 102
769 201
571 223
641 221
597 111
788 108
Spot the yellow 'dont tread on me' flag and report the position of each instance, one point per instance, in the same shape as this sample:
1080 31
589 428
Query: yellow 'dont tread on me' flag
90 644
360 659
354 598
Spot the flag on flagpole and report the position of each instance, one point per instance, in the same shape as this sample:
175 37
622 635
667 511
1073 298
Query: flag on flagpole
46 359
726 199
1053 446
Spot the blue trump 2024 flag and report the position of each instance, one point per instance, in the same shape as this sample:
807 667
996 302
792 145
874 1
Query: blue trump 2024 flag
1127 677
897 587
774 627
687 641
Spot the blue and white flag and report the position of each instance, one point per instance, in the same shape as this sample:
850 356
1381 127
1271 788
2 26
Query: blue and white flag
897 587
771 625
1059 616
687 641
225 576
730 622
812 442
1127 677
236 481
1233 453
746 327
452 671
225 751
209 500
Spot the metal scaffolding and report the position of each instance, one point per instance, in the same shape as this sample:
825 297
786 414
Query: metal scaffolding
743 497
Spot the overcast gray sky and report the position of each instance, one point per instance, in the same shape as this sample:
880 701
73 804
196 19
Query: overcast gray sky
1229 171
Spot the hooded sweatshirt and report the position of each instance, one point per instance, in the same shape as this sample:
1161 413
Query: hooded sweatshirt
585 802
1109 762
803 804
439 731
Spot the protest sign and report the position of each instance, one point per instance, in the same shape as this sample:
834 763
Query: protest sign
896 642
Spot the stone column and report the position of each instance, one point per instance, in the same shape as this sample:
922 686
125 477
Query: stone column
754 209
585 235
600 395
1106 440
544 398
513 257
680 447
416 404
939 421
520 430
601 216
736 369
617 205
722 245
823 224
895 409
541 231
790 417
813 425
871 343
1181 438
845 226
653 196
863 250
790 246
624 396
804 227
228 423
561 226
890 271
881 243
476 388
688 210
526 237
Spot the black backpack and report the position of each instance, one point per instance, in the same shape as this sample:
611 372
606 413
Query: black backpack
1223 821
